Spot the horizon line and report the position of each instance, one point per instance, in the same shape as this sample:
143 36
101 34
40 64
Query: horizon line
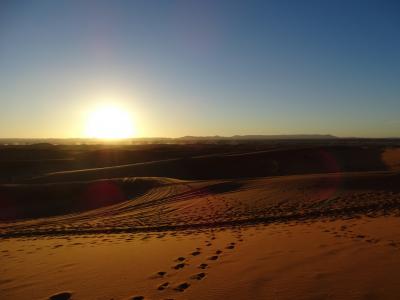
249 136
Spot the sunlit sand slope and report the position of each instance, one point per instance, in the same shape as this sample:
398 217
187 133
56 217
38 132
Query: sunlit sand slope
163 204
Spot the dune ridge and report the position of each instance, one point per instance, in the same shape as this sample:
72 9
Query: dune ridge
21 201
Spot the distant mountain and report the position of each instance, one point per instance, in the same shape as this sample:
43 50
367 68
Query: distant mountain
263 137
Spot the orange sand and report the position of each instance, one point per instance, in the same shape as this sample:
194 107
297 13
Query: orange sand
340 259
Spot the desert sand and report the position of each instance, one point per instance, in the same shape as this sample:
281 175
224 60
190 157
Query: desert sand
202 222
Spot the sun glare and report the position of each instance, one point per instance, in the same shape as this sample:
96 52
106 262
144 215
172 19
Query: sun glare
109 122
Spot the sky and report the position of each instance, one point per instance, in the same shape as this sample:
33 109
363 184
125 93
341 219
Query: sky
201 67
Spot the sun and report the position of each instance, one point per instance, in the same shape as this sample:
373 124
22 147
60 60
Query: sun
109 122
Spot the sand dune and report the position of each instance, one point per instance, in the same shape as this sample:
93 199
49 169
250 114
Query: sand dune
273 162
164 204
19 201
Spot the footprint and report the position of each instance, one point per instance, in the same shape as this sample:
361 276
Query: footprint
203 266
163 286
214 257
137 298
61 296
179 266
181 258
195 253
199 276
161 273
218 252
230 247
182 287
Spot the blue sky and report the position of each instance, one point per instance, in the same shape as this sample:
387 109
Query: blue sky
201 67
